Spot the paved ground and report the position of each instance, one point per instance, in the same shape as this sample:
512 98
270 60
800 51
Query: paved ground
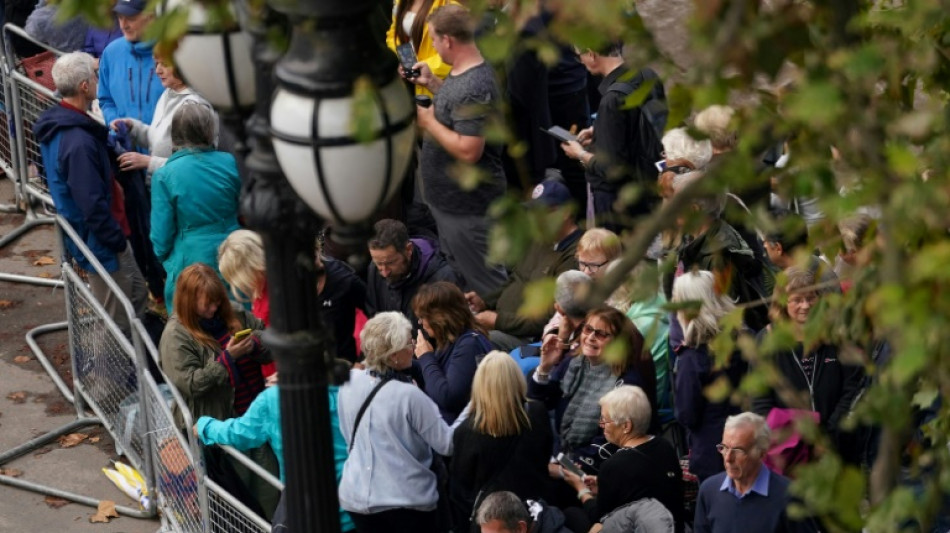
30 404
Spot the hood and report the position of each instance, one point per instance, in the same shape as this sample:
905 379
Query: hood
428 253
58 119
143 48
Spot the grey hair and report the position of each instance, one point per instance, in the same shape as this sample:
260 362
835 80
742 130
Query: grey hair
628 403
763 435
699 286
714 121
194 126
70 70
504 506
383 335
570 293
678 144
709 204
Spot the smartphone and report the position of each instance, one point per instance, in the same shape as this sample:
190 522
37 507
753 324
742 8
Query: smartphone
660 165
240 335
560 134
566 464
407 58
426 336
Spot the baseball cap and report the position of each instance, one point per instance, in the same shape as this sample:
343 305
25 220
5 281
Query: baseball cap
129 8
550 193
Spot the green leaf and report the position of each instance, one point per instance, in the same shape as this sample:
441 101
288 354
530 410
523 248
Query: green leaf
817 104
538 298
926 398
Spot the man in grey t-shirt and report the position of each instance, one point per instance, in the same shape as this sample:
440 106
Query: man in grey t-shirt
455 146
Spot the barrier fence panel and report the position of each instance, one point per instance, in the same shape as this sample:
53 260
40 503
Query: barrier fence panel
227 515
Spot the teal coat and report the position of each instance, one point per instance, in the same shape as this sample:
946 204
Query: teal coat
194 208
261 423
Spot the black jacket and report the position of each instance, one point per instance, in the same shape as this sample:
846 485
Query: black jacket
427 265
834 385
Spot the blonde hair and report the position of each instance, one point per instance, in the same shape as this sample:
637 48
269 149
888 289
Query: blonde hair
498 396
600 240
241 262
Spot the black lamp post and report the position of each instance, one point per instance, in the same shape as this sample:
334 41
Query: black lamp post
328 173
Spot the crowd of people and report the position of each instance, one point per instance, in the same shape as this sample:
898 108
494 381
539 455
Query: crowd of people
457 410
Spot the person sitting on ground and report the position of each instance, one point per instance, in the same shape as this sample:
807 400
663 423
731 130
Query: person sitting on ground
697 369
573 385
400 266
191 217
787 244
506 441
261 425
747 496
643 466
570 308
388 483
497 312
448 346
505 512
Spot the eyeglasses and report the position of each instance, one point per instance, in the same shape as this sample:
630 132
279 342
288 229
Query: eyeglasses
604 421
597 333
726 451
799 299
592 267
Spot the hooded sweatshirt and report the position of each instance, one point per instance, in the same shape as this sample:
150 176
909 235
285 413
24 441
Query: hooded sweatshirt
128 85
426 266
157 136
79 174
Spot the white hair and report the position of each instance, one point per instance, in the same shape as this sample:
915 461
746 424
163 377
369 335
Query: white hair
570 292
715 122
763 435
678 144
699 286
383 335
628 403
70 70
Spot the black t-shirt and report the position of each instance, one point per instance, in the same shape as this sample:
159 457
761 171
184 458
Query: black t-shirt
650 470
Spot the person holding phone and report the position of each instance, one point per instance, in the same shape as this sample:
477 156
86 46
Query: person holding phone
448 346
217 374
409 26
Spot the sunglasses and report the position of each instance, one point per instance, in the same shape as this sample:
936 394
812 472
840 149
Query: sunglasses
599 334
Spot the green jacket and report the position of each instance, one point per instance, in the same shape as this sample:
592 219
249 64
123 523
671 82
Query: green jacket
541 260
194 370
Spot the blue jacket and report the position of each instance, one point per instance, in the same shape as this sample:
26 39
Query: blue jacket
80 179
448 373
97 39
194 208
128 85
261 423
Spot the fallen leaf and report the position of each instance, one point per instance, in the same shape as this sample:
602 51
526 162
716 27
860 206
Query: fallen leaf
17 397
12 472
7 304
55 502
94 440
68 441
105 512
46 275
42 451
44 261
21 358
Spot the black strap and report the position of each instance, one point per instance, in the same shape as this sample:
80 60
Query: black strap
359 415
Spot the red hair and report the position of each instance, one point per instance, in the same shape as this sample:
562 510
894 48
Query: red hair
197 281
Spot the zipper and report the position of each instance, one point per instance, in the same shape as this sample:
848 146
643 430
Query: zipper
809 382
131 89
148 88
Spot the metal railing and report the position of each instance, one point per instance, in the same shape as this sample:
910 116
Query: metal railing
111 384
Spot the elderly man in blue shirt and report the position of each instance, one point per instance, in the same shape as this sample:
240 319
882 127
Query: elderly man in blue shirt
747 496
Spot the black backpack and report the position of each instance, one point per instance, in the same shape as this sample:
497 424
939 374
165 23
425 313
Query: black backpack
651 123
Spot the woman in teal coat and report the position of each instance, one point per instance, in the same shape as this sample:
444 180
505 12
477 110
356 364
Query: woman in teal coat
194 196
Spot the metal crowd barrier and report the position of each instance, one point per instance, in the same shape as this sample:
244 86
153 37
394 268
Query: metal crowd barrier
111 386
20 158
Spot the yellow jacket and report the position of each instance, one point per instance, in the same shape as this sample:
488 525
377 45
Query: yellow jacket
426 52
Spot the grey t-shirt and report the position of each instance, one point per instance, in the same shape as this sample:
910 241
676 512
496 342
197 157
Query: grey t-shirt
464 103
